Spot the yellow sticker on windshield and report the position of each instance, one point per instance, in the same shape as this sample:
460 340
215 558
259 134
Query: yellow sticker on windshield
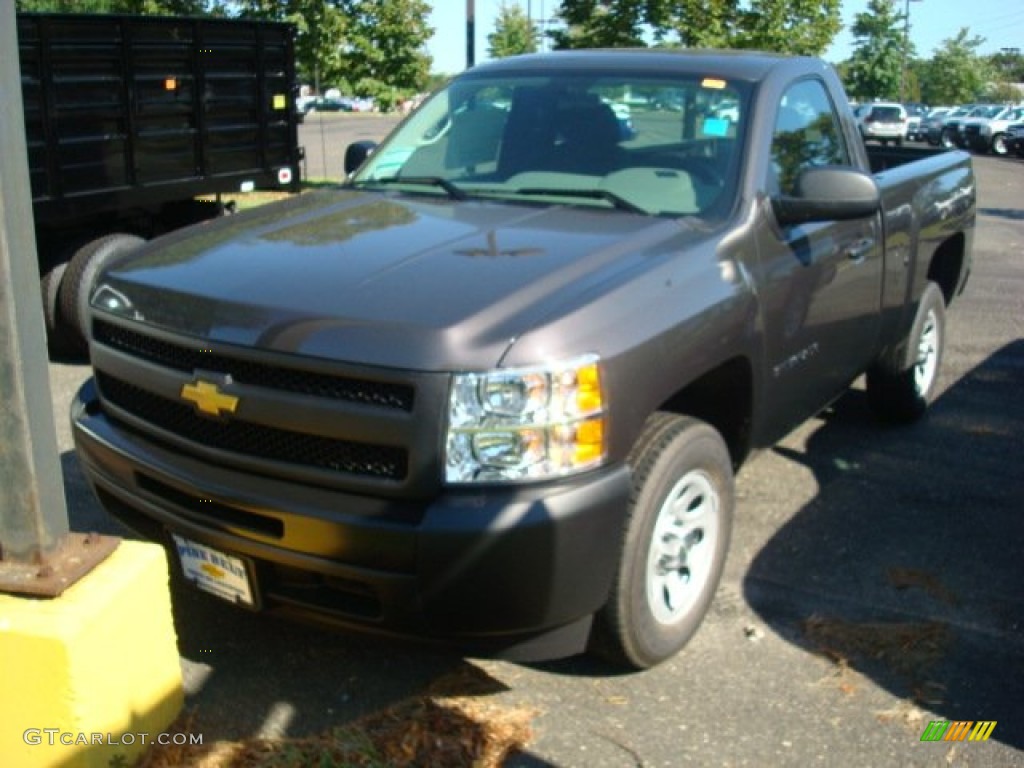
713 82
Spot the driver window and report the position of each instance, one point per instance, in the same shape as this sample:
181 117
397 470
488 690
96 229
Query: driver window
807 134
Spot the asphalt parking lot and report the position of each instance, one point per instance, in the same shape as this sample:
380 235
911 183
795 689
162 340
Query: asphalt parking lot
875 583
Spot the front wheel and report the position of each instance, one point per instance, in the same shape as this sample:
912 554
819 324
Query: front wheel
999 145
677 535
902 394
947 140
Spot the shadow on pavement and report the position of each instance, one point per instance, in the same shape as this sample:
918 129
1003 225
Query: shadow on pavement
1016 214
906 567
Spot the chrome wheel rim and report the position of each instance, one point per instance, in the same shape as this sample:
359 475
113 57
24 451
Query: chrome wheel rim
683 544
927 354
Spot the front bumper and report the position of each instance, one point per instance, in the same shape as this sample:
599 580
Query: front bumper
516 572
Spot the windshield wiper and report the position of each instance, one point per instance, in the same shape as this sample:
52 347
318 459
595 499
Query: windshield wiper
433 181
597 194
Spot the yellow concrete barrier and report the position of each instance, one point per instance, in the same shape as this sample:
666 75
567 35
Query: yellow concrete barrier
92 677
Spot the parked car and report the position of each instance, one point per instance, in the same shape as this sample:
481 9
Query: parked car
986 133
882 121
1015 139
952 136
915 117
328 104
931 124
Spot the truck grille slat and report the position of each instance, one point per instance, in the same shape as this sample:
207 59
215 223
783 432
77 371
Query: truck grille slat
188 359
255 440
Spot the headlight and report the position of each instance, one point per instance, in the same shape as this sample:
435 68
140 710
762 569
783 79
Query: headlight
525 423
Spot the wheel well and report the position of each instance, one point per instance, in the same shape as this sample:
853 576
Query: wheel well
723 398
946 266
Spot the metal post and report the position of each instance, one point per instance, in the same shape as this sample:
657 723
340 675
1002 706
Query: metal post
33 515
470 33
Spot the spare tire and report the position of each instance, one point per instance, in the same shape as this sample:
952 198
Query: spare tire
76 287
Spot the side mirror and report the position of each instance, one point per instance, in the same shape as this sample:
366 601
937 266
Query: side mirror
356 154
828 193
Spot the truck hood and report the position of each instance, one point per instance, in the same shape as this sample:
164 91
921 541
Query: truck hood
391 280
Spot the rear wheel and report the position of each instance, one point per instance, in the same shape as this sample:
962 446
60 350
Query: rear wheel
676 539
901 394
77 285
58 337
946 139
999 145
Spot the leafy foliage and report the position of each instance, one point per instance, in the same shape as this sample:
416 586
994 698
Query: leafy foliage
321 26
785 26
603 23
370 48
385 53
805 27
956 73
148 7
874 69
1008 66
513 34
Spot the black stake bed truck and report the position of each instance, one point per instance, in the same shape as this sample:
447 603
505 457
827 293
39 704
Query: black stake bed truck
493 389
128 119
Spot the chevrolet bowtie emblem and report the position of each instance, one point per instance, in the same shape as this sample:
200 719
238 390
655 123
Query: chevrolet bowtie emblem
208 399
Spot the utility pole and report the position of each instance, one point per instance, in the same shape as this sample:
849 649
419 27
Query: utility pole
906 49
470 33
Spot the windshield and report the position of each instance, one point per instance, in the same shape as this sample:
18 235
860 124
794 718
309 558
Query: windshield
657 146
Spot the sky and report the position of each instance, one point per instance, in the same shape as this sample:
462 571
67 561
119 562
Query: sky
1000 22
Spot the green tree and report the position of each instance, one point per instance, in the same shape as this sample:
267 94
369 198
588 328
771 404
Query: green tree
513 33
602 23
1008 64
321 32
784 26
878 54
803 27
956 73
147 7
385 53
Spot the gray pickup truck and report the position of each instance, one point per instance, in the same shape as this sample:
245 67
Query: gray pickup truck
492 390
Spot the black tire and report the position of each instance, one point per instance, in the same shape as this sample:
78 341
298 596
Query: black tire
76 287
900 393
899 142
999 145
57 333
946 139
676 458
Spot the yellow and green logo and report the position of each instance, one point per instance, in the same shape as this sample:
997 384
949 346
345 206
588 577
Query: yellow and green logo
958 730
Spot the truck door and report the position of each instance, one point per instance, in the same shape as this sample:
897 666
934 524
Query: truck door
820 283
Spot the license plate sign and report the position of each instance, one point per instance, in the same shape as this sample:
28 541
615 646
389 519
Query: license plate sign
214 571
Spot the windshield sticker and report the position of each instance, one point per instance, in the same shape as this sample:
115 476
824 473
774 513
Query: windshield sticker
715 126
